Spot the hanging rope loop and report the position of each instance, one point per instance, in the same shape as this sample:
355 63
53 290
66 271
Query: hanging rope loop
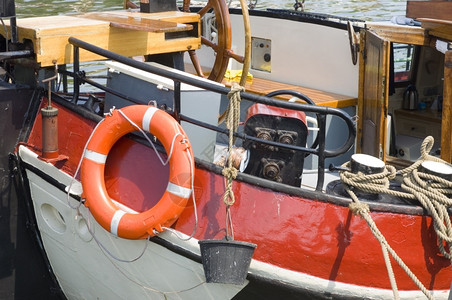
232 119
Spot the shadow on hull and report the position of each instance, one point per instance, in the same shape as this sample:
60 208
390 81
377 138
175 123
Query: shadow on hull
24 272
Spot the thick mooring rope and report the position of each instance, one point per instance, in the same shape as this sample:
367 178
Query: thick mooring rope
428 189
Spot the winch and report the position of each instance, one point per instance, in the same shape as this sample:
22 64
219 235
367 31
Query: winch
277 125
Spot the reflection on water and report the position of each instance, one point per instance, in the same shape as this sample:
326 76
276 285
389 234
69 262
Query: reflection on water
362 9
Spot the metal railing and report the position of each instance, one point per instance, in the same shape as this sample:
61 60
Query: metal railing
179 77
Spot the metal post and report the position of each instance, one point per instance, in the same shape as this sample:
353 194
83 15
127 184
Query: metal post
321 153
177 99
76 74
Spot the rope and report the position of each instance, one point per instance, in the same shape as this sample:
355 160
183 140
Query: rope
426 147
195 210
362 209
432 192
232 118
428 189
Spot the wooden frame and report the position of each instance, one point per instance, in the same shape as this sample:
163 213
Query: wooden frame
429 9
425 36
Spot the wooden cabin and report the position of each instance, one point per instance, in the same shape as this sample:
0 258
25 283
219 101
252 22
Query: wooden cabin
387 127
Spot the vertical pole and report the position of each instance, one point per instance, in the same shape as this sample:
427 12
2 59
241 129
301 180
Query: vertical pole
13 25
76 74
446 130
177 99
322 140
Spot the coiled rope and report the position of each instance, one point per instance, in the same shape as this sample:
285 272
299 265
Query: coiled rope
431 191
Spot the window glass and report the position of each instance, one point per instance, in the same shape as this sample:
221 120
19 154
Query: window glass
403 58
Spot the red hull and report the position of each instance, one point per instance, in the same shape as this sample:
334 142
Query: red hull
319 238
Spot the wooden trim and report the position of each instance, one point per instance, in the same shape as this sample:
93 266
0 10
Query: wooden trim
446 130
409 35
438 28
429 9
360 111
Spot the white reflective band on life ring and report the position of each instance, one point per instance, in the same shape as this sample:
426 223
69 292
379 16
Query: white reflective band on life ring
147 118
115 221
178 190
95 156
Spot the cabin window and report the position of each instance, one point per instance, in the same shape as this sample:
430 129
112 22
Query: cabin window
403 55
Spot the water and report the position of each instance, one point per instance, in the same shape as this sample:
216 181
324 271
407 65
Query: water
362 9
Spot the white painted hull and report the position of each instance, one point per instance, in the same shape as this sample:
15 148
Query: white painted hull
85 271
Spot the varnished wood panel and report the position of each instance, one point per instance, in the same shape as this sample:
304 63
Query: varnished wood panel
429 9
409 35
373 102
49 36
438 28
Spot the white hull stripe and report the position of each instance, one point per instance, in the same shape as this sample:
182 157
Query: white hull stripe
95 156
115 221
147 118
178 190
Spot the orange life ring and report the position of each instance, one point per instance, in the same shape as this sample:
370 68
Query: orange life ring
168 209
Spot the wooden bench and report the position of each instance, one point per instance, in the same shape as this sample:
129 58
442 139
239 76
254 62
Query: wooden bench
128 33
263 86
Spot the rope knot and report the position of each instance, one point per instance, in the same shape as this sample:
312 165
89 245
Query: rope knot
230 172
235 91
359 208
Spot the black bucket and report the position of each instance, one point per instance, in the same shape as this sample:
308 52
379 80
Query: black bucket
226 261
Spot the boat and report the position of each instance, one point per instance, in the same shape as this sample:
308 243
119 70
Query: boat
231 153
